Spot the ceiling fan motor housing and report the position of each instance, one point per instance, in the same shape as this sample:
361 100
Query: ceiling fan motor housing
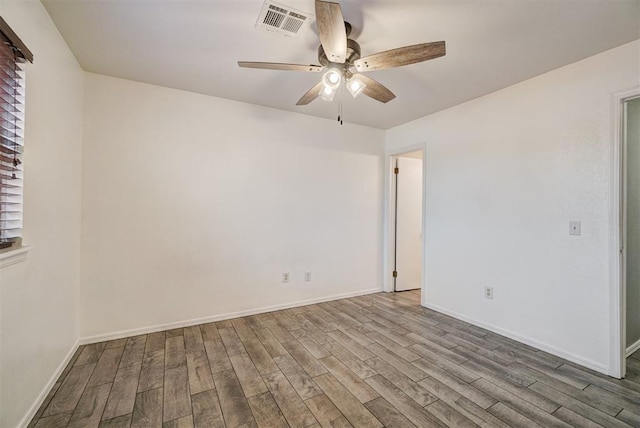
353 53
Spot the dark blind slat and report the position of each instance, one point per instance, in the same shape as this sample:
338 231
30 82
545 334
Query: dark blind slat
14 135
9 148
9 168
5 159
10 174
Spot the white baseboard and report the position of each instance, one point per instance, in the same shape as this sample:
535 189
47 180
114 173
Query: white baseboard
45 391
601 368
633 348
197 321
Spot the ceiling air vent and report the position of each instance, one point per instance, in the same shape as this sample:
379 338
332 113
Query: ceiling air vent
281 19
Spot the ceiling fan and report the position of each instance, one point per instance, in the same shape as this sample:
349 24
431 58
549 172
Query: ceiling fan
339 56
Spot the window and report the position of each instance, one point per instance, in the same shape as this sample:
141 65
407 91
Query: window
13 56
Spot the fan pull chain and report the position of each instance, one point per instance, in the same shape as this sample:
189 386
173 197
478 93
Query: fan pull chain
340 107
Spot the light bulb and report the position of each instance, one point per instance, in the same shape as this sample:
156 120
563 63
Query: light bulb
355 86
332 79
327 93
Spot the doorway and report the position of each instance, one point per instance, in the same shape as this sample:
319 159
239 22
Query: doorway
631 235
407 206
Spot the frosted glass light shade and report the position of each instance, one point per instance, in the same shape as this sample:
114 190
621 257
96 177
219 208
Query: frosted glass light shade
327 93
332 79
355 86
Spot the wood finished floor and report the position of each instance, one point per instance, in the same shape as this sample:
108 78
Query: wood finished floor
370 361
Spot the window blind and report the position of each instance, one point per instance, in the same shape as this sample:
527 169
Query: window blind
13 56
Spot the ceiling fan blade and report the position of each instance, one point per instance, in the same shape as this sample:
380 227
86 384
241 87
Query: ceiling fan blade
311 95
375 89
333 34
280 66
401 56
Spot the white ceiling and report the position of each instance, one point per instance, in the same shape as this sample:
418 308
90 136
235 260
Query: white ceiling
194 46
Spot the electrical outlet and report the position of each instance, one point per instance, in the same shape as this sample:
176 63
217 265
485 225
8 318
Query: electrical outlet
286 276
488 292
307 277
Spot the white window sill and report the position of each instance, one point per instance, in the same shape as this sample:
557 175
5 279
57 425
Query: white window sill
8 258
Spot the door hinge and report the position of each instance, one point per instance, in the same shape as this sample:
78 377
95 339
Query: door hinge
395 273
396 170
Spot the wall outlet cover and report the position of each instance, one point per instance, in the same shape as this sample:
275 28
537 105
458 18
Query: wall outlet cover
488 292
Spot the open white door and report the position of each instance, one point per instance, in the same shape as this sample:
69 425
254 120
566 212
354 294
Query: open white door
631 225
408 236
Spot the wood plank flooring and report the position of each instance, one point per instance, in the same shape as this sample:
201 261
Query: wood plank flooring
369 361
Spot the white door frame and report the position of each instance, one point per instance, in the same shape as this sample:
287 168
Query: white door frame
617 250
389 215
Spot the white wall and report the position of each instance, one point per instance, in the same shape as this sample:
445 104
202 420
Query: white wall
38 304
193 206
633 222
505 174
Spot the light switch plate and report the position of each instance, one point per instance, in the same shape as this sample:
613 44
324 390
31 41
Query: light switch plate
574 228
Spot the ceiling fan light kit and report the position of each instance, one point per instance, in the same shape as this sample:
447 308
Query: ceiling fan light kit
339 55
